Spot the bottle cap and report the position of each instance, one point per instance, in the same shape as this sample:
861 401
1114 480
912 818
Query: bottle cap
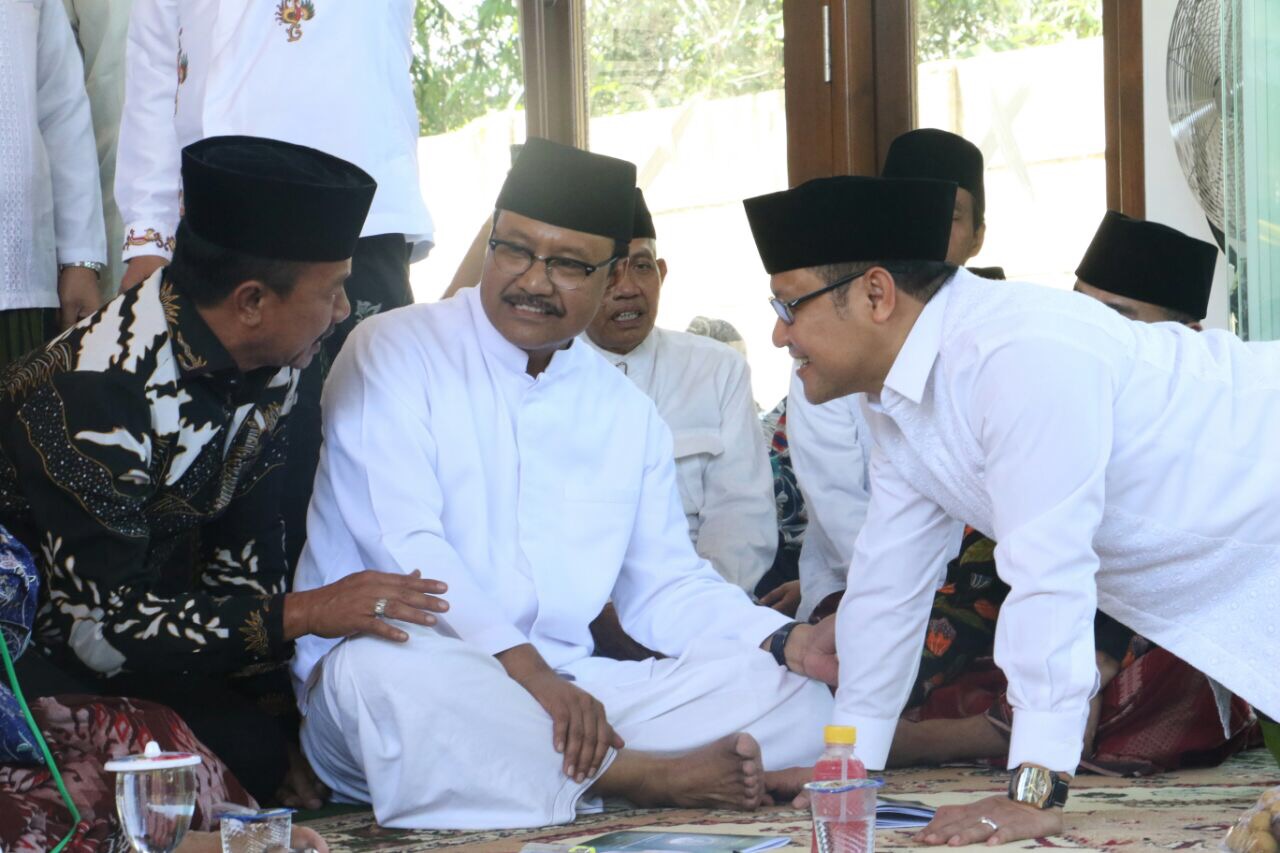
841 734
151 759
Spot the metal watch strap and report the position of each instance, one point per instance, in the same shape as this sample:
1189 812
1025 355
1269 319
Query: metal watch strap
778 642
97 267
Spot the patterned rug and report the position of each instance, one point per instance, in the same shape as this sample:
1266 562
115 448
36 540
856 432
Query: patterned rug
1189 810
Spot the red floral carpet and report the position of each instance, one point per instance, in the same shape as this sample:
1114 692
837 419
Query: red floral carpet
1188 810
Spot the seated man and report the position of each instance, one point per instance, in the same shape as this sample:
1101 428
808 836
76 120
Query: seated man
703 393
478 438
141 459
829 441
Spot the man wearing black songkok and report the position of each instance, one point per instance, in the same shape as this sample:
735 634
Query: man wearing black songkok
1148 271
480 437
141 456
1107 458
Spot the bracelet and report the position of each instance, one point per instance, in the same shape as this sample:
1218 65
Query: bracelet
778 642
88 265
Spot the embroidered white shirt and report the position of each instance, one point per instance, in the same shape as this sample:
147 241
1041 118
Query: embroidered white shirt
50 202
1118 465
702 389
330 75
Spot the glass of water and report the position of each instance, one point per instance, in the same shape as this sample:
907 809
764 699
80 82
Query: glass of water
844 815
155 797
249 831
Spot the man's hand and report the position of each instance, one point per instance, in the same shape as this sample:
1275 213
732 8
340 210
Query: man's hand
139 269
580 731
784 598
301 788
811 651
960 825
78 295
347 606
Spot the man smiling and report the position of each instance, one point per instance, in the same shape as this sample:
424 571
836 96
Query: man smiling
476 439
1120 466
702 389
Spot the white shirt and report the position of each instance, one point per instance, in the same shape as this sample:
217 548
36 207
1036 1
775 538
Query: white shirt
337 81
102 29
830 450
50 204
702 389
1135 460
537 500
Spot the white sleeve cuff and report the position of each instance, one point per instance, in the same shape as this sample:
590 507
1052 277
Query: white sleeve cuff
875 736
1051 739
493 639
141 240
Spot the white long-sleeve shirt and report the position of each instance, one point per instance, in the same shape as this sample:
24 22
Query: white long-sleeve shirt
830 451
50 203
537 500
702 389
1118 465
336 79
102 28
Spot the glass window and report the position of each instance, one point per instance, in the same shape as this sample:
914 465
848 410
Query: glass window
692 93
1023 80
468 82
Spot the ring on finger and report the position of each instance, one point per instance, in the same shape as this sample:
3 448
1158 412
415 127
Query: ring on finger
380 607
989 824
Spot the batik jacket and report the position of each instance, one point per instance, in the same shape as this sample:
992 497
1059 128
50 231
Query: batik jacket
144 469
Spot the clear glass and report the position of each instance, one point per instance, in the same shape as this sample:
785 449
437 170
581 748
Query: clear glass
692 93
256 834
1022 80
844 815
1250 59
156 806
469 84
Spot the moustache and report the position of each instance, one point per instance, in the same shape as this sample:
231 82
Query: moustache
535 302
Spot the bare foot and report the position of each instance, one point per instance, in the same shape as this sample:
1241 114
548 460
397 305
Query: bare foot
727 774
301 788
787 786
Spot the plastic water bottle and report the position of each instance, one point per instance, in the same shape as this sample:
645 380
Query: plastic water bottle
839 762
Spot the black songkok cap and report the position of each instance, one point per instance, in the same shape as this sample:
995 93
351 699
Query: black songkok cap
273 199
642 226
846 219
570 188
1150 262
992 273
940 155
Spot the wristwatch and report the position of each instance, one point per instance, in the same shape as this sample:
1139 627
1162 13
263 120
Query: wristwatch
1036 786
778 642
96 267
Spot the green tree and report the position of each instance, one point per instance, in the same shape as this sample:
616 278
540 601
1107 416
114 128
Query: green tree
464 67
659 53
956 29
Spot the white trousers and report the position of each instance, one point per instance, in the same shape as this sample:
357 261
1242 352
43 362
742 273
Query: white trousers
435 735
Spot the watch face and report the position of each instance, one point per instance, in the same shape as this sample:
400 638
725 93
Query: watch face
1033 786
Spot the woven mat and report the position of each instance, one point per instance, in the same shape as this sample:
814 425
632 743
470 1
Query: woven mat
1190 810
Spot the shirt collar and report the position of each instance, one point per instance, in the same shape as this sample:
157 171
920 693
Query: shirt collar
196 347
910 371
637 363
501 350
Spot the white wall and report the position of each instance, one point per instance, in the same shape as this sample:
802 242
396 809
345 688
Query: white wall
1169 199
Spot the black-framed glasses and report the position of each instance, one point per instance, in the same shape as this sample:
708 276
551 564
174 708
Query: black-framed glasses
565 273
787 310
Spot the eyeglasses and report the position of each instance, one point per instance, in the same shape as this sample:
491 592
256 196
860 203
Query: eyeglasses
787 310
565 273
